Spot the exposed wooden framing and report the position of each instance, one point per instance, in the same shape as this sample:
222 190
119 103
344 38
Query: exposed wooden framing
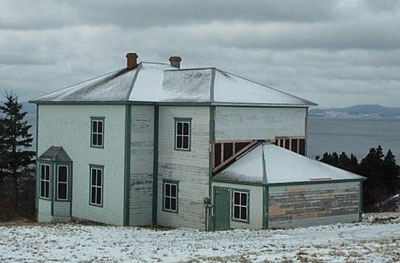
290 139
235 154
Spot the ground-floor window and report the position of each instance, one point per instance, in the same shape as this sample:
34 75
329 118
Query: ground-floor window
170 196
62 182
45 181
240 205
96 185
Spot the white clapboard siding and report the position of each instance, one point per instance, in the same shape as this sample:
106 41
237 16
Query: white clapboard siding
141 181
241 123
313 204
255 205
69 126
44 211
190 168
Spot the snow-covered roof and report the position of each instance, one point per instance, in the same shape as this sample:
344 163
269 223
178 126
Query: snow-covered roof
160 83
270 164
55 154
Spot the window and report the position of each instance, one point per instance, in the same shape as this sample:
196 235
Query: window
295 144
45 181
96 185
170 196
62 182
97 132
241 206
182 134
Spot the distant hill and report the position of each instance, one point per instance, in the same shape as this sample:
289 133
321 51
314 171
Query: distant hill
357 111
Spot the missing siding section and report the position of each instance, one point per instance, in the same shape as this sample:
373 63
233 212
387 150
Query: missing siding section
294 144
226 151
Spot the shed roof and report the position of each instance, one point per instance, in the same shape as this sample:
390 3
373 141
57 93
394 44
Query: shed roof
270 164
160 83
55 154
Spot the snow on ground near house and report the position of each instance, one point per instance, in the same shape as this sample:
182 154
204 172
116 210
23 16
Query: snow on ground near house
377 239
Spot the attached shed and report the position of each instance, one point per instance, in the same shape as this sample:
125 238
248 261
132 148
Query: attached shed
271 187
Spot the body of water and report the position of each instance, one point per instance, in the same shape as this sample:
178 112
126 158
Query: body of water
353 136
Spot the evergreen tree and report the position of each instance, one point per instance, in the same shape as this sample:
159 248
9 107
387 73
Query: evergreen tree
390 176
373 188
16 158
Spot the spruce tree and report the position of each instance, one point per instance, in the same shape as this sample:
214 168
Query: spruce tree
373 188
16 157
390 173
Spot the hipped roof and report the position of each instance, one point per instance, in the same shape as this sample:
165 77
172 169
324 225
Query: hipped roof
270 164
55 154
161 83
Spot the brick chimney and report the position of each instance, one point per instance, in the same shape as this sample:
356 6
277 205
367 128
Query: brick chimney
175 62
131 60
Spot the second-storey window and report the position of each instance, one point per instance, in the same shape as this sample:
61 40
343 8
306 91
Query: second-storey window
62 182
45 181
241 206
96 186
182 134
97 133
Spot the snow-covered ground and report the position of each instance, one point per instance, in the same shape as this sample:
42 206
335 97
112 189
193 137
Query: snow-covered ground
377 239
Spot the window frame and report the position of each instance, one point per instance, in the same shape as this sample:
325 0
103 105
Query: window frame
183 120
170 182
101 168
241 191
92 120
48 181
66 182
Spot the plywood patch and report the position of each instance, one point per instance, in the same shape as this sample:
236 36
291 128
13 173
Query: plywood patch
277 210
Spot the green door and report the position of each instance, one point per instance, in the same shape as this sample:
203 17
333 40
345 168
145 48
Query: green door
221 206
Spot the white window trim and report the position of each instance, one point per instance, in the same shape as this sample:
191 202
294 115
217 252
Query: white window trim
58 183
98 133
170 197
183 135
97 187
44 180
240 206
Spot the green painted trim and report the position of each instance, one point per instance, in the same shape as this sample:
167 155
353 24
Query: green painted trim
66 164
37 162
169 181
127 166
360 209
71 189
190 133
266 208
155 167
100 167
211 142
92 119
233 190
53 190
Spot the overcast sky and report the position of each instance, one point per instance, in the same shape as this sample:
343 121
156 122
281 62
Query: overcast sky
335 53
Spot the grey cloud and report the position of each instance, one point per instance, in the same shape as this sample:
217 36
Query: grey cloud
159 13
336 54
46 14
